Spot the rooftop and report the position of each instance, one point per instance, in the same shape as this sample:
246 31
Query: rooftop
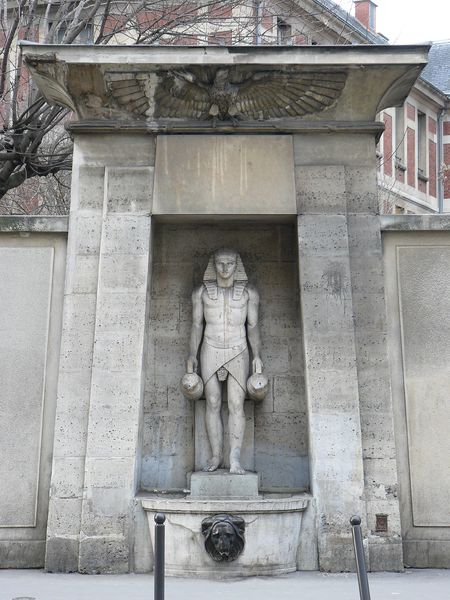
352 22
437 71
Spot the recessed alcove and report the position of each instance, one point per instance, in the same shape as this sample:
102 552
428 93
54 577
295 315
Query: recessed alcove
180 255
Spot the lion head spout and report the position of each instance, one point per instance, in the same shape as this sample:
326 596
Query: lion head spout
224 536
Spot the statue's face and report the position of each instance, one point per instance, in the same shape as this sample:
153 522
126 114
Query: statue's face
225 265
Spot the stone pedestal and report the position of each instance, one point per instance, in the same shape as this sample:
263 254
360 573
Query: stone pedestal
223 484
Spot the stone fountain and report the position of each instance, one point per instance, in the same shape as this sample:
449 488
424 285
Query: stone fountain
179 152
224 526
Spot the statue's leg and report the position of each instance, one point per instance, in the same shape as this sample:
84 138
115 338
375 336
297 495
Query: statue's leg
214 427
236 423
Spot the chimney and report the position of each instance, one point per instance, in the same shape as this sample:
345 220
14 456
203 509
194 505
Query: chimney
366 14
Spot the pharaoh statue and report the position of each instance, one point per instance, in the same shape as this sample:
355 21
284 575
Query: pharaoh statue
225 314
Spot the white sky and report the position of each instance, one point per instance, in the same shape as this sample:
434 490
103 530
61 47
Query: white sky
411 21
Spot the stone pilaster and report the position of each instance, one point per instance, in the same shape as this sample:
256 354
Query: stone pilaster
337 477
353 467
369 310
99 390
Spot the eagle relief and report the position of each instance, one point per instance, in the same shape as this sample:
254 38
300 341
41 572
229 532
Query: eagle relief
227 93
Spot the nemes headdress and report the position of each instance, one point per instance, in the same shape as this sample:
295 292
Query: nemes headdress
210 276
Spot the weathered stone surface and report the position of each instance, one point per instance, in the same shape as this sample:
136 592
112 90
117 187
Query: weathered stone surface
320 190
22 554
307 553
115 402
64 515
342 150
377 430
414 222
31 295
119 183
101 354
224 175
104 554
61 554
335 434
272 531
168 450
222 484
423 287
24 323
88 188
33 223
75 363
180 255
384 79
417 286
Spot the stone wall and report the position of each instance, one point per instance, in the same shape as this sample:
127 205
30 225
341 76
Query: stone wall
418 288
180 255
32 253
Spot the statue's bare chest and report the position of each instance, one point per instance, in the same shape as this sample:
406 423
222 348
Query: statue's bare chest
225 307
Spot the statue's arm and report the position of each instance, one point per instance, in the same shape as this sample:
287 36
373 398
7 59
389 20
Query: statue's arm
253 332
197 329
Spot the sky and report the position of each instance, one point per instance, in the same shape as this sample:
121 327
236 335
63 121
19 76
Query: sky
411 21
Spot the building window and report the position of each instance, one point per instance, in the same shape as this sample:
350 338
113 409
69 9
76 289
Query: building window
400 137
86 35
284 33
421 145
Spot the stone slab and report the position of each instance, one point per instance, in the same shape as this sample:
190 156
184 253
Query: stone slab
221 175
424 282
417 285
222 484
33 223
24 325
21 554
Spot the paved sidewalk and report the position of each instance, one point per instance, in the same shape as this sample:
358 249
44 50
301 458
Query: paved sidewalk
410 585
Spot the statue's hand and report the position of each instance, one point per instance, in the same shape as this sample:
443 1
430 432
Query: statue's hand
257 365
191 364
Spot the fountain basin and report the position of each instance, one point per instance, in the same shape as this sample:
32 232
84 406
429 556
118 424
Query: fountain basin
272 533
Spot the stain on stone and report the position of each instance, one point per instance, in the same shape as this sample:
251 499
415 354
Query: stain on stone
333 279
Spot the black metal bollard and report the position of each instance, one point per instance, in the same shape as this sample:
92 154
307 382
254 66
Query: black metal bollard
363 582
159 556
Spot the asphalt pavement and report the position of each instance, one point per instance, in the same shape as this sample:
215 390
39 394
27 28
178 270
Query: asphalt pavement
412 584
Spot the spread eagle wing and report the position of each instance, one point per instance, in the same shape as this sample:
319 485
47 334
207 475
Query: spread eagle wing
182 94
129 92
274 94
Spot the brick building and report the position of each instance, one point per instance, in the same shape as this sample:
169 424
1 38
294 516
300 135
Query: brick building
414 151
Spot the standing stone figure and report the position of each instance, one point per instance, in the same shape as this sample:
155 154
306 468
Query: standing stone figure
226 307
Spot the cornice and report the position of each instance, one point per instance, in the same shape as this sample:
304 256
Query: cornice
218 85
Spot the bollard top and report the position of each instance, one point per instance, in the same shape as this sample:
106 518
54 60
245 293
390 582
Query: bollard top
160 518
355 520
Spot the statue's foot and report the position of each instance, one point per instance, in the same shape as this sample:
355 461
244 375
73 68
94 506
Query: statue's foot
213 464
236 469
